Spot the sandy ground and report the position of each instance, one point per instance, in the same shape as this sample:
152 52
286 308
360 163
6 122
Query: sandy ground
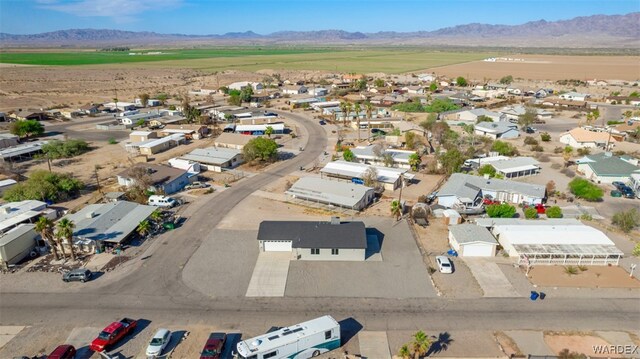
582 344
593 277
549 67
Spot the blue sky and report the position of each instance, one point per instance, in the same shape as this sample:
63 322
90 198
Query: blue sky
263 16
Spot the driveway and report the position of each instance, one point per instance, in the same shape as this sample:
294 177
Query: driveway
490 278
374 345
269 277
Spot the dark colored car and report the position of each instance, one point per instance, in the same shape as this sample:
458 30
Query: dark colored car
618 185
77 275
627 192
616 193
322 122
378 131
213 348
529 130
65 351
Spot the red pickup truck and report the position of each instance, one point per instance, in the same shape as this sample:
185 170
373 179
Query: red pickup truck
113 333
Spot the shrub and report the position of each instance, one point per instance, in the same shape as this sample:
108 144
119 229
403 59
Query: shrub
348 155
554 212
571 270
530 141
545 137
504 148
537 148
503 210
636 250
43 185
530 213
584 189
112 141
487 169
558 150
65 149
26 128
626 220
583 151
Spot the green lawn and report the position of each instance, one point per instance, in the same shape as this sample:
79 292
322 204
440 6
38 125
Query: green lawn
388 60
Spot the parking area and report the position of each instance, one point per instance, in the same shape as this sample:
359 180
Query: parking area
401 273
269 277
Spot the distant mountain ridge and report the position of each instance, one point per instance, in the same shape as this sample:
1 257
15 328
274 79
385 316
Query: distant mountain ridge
614 31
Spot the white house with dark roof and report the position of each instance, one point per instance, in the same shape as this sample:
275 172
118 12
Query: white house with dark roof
321 241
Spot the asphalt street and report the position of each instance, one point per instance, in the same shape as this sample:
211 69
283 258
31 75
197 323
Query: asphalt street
154 290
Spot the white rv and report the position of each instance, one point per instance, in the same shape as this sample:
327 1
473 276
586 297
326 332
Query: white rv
300 341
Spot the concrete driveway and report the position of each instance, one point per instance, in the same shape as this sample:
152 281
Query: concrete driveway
374 345
269 277
490 278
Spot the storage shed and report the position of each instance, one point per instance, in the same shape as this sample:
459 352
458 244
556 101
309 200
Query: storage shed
470 240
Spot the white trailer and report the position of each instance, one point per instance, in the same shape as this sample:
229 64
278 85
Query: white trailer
17 244
300 341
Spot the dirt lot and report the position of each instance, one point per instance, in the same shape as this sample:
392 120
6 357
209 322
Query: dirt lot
593 277
582 344
549 67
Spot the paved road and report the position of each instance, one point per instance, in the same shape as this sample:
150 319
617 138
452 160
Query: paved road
155 291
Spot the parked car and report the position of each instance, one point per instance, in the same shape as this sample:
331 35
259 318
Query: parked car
64 351
618 185
77 275
113 333
616 193
444 265
158 343
213 347
196 185
377 131
322 122
162 201
529 129
627 192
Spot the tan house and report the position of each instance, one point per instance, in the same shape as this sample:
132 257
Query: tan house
141 136
582 138
232 140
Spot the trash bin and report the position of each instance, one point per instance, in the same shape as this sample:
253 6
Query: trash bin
534 295
542 295
169 225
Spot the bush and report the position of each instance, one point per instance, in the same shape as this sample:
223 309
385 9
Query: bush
112 141
43 185
545 137
636 250
558 150
530 213
583 151
504 148
537 148
65 149
487 169
554 212
26 128
348 155
626 220
260 149
530 141
503 210
584 189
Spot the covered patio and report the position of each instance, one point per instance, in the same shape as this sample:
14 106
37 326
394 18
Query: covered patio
572 254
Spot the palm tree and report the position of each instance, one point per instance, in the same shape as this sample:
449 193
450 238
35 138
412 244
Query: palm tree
404 352
414 161
45 226
357 109
420 344
144 228
396 209
156 216
344 109
349 108
368 108
65 232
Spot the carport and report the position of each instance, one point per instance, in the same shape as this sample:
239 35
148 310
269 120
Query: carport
578 254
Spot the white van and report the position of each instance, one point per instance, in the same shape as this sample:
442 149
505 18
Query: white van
162 201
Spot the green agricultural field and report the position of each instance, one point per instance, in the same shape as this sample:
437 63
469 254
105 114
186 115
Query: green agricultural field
251 59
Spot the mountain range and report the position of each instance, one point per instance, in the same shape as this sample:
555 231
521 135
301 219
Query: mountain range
604 31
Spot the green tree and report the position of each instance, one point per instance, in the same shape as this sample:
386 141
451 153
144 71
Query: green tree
65 232
487 170
64 149
162 97
503 210
360 85
545 137
554 212
246 93
348 155
144 228
451 161
461 81
636 250
26 128
626 220
584 189
357 109
484 118
144 99
433 87
368 109
634 94
45 227
43 185
260 149
506 80
410 140
529 117
378 83
530 213
441 105
504 148
396 209
420 344
235 99
414 161
268 131
140 123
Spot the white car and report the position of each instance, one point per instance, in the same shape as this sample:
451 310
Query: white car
158 343
444 264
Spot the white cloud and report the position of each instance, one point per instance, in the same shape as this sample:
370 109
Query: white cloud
117 9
